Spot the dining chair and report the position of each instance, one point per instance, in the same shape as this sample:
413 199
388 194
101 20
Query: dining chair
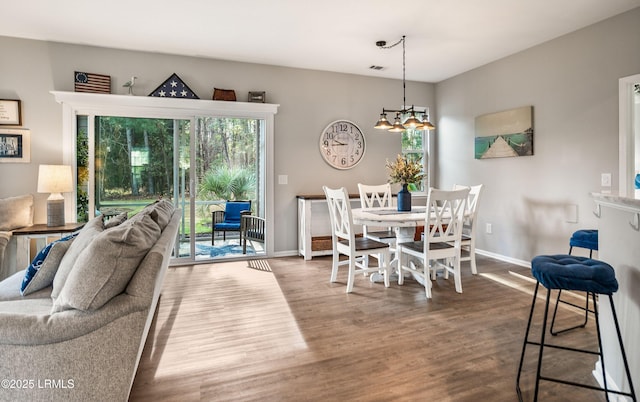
344 240
442 239
468 240
375 196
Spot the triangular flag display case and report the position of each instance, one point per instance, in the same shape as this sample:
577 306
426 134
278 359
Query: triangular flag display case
174 87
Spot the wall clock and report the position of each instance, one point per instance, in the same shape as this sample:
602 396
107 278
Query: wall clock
342 144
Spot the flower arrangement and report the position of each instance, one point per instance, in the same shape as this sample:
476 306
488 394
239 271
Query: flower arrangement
405 171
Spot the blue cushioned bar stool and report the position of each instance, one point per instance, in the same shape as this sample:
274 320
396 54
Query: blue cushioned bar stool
586 238
566 272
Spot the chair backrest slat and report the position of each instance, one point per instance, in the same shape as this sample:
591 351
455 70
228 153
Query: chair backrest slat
340 213
372 196
444 220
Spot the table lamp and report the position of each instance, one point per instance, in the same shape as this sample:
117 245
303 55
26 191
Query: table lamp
55 179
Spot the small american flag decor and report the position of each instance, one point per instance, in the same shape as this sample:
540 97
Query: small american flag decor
94 83
174 87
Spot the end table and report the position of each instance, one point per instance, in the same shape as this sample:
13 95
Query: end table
40 233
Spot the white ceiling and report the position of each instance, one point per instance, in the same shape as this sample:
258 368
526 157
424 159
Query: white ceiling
444 37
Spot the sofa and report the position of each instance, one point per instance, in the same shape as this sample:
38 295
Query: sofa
15 213
74 323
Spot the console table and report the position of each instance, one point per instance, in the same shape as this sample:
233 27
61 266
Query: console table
314 224
40 233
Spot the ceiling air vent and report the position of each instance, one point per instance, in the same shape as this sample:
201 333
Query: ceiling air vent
377 68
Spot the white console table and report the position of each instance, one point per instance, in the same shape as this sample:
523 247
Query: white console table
619 246
314 225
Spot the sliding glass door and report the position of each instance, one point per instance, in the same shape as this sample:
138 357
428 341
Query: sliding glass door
128 151
126 163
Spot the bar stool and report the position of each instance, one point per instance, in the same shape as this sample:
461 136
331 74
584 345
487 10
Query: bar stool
566 272
588 239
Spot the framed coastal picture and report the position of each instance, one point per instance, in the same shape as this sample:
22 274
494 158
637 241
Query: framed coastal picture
504 134
15 146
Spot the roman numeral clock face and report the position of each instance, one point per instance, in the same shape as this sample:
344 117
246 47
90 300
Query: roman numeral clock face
342 144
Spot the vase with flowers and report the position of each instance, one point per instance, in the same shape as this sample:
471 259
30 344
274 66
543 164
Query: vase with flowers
407 172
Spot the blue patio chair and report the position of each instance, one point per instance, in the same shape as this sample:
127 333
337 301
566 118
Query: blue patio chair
229 220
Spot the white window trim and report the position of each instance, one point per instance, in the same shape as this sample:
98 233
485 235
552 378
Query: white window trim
88 104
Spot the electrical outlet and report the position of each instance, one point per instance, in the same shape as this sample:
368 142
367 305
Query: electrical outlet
605 179
489 228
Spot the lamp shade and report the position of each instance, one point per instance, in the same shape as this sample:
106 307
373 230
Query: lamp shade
55 179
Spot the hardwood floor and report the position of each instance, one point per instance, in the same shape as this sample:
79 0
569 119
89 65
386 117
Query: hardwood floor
277 330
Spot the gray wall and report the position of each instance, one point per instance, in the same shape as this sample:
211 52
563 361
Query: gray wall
309 100
572 84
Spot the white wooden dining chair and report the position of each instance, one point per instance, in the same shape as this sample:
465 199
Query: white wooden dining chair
441 245
377 196
345 242
468 240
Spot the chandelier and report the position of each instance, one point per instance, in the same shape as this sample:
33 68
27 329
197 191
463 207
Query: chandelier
417 119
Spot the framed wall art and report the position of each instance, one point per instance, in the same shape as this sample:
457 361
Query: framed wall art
15 145
10 112
504 134
258 96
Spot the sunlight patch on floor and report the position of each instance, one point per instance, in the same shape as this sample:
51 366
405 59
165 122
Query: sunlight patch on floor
240 304
527 285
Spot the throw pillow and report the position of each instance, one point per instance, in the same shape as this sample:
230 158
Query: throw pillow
104 269
93 228
16 212
160 211
44 266
116 220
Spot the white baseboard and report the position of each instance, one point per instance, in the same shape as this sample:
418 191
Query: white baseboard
500 257
611 384
522 263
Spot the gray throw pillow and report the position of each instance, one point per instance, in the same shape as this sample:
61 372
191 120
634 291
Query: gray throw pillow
16 212
93 228
116 220
160 211
104 269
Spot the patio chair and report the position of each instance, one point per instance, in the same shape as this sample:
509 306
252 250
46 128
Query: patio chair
229 220
252 228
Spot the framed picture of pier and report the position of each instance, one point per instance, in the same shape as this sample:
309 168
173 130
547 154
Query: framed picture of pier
15 146
504 134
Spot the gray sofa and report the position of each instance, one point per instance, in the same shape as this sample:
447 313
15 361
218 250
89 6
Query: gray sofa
15 213
80 337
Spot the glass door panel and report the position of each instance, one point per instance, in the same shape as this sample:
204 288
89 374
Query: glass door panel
229 167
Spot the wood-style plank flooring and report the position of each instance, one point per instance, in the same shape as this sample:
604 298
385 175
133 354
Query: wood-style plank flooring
277 330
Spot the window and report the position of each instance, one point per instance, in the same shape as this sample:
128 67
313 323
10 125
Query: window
415 146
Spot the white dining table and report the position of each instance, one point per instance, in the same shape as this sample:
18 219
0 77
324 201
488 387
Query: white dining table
403 222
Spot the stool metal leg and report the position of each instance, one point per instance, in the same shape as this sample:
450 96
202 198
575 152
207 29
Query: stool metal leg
601 353
544 330
555 310
585 308
526 341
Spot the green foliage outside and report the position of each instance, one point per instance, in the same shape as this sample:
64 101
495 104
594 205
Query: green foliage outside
134 162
